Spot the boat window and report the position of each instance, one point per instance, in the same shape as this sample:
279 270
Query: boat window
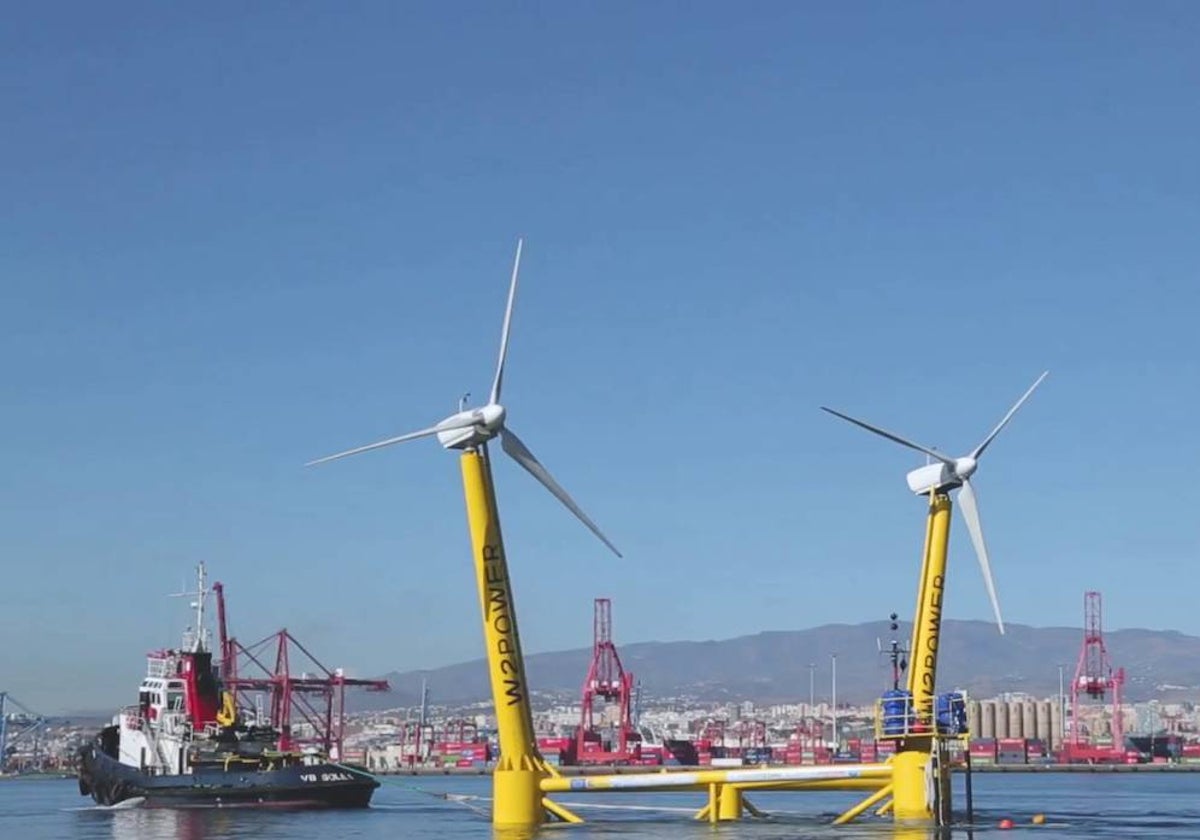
175 701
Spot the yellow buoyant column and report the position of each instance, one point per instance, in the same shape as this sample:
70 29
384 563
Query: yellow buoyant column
927 623
729 803
516 778
910 766
910 794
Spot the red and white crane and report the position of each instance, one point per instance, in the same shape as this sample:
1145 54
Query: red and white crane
1094 679
312 703
609 681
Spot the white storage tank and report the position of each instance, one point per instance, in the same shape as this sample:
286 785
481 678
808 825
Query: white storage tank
1044 727
1029 719
987 719
1014 719
974 716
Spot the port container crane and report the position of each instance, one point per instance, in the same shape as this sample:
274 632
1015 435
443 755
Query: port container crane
609 681
1094 679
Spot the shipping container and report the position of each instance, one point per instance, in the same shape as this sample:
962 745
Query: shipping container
982 748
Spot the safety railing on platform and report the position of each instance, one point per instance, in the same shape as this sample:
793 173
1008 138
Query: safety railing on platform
896 716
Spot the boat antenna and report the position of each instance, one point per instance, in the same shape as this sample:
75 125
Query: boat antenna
195 640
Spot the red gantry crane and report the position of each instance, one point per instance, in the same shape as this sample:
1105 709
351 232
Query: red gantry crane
607 680
307 710
1094 678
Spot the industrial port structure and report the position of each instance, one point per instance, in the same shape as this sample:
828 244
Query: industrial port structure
307 709
606 680
1094 679
1014 729
20 727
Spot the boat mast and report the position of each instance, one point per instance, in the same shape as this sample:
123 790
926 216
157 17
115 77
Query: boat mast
201 597
196 639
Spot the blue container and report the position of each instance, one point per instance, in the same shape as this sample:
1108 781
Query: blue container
897 711
951 713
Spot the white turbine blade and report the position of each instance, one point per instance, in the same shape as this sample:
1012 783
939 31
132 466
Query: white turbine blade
987 440
970 511
520 453
932 453
432 430
512 293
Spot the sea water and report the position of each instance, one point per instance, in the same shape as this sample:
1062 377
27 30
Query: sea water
1076 805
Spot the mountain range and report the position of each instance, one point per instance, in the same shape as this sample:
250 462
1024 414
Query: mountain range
773 667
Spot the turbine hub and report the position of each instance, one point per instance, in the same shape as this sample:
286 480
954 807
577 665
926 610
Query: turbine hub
492 416
965 467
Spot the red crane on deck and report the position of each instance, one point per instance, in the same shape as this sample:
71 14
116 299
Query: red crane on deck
1094 678
606 679
316 698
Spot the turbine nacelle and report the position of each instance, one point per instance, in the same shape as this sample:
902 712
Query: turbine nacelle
470 428
941 476
931 478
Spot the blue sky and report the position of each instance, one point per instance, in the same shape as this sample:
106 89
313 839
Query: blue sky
239 237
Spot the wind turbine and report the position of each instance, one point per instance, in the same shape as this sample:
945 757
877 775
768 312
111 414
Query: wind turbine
943 474
517 777
473 428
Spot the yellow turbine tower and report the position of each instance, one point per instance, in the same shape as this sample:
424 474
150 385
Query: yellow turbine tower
517 794
911 766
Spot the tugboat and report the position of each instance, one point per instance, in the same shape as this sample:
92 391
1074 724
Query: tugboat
186 744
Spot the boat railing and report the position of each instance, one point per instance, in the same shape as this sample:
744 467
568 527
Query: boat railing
130 717
174 724
157 665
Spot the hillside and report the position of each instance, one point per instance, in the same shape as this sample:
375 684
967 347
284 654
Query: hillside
773 666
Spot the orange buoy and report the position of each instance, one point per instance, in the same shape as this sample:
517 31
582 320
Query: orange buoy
1006 823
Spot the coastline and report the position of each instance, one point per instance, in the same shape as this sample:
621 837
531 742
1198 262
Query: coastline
987 768
625 770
